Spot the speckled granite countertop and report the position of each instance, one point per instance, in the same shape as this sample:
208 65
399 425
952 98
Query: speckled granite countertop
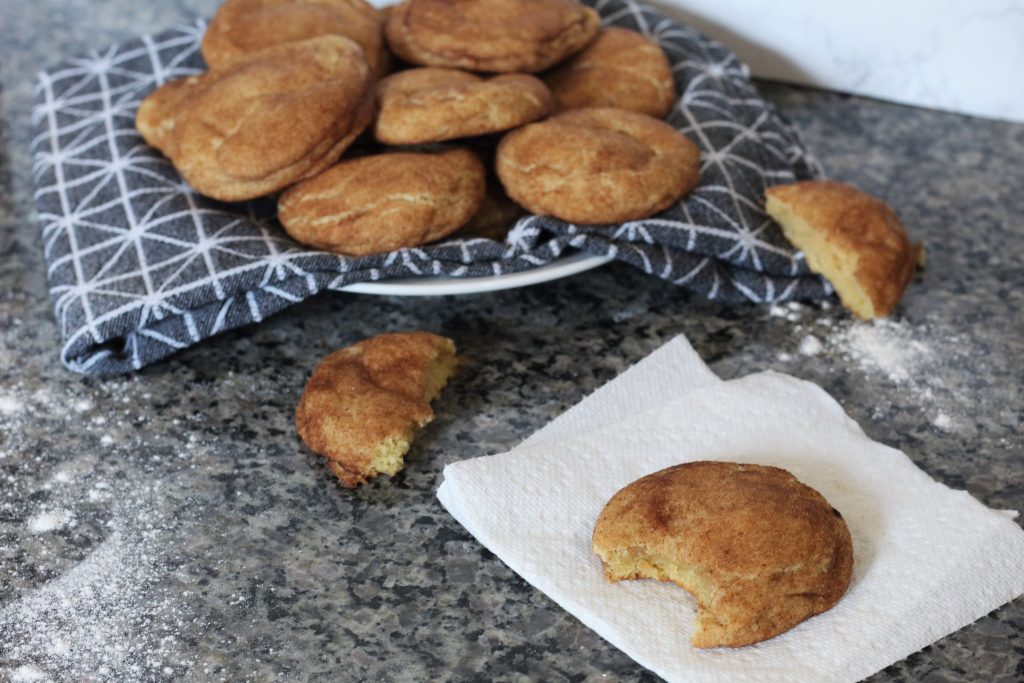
168 525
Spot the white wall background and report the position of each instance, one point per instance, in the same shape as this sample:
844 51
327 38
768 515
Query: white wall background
958 55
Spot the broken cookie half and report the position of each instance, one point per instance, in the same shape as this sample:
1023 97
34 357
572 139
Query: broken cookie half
853 239
759 550
364 404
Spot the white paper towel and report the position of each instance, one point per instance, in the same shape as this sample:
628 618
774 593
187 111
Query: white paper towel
669 372
927 559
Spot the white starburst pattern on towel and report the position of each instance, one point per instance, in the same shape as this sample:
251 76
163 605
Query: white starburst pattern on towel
140 265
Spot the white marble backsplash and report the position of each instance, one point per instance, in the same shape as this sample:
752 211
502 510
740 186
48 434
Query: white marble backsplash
964 56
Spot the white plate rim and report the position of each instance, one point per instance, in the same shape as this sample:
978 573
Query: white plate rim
441 285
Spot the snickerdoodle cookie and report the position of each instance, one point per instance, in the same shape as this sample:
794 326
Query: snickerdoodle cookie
242 28
621 68
363 405
384 202
490 35
495 217
433 104
598 165
158 111
267 122
851 238
759 550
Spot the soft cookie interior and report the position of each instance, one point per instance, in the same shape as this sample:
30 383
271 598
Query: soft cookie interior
853 239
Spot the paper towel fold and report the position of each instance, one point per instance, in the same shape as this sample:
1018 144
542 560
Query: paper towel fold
928 559
672 370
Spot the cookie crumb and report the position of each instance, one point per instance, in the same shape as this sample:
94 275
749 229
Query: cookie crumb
810 345
944 422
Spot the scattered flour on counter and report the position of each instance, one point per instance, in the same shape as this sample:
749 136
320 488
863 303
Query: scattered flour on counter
105 618
944 422
28 674
50 521
810 345
86 592
886 347
9 405
99 492
88 616
926 362
791 311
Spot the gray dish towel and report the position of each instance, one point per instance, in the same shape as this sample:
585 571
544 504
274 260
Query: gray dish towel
140 266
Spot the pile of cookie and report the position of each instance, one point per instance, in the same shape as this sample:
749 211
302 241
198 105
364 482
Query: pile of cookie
303 98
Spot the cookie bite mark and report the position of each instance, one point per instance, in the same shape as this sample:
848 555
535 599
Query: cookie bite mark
759 550
598 165
497 36
364 404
